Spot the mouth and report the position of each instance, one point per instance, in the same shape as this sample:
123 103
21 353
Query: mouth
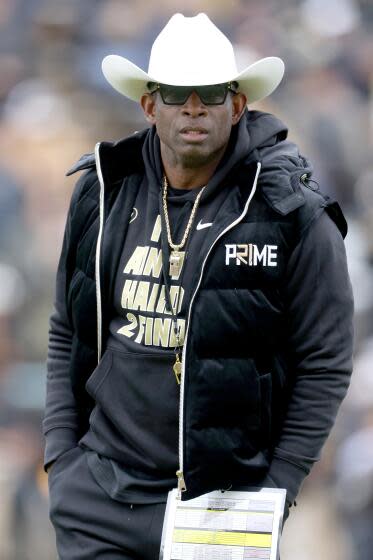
194 133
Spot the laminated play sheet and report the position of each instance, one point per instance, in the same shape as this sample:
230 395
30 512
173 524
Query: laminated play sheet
224 525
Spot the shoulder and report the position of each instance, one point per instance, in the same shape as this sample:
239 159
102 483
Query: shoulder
86 189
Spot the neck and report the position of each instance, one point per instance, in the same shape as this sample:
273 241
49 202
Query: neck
182 177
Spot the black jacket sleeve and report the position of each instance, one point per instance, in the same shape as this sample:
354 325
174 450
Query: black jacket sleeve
319 313
60 424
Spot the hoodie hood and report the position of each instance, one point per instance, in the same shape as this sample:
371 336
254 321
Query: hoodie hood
258 136
283 167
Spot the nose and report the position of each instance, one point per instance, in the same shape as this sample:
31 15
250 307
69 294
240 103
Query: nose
193 106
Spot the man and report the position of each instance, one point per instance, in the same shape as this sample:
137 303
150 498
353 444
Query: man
202 332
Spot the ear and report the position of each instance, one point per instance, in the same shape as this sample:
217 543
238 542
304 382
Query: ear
239 102
148 103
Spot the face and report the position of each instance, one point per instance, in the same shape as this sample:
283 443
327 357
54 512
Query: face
193 134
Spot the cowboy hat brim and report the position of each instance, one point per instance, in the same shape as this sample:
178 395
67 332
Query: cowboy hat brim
257 81
260 79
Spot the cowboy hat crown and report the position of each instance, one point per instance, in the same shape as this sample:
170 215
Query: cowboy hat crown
192 51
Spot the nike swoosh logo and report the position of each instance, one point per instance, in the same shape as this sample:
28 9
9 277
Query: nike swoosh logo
200 225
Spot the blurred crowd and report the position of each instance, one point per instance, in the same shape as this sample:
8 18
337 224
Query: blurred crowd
55 105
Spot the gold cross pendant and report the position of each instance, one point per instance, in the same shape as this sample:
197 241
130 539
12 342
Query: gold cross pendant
177 369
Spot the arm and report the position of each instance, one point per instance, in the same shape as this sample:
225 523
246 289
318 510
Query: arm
60 424
320 308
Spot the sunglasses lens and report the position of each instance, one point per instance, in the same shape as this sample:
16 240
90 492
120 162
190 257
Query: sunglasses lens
213 95
178 95
174 95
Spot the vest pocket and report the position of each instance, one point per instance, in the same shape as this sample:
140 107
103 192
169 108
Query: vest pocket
265 387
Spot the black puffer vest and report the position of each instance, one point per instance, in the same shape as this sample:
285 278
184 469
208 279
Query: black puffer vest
237 376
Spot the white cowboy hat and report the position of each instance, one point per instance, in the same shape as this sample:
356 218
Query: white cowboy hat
192 51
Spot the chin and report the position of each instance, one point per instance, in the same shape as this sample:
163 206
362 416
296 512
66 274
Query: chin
196 157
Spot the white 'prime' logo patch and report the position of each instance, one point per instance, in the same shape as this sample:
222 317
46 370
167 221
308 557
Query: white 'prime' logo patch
251 255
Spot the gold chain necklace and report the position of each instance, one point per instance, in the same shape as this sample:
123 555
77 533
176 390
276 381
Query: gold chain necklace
176 255
176 262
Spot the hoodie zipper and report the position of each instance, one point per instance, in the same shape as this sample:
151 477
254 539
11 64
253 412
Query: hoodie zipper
98 252
180 472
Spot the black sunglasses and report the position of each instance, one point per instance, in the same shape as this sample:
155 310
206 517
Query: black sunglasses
215 94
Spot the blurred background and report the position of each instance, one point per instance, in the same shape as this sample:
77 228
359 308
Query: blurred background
55 105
